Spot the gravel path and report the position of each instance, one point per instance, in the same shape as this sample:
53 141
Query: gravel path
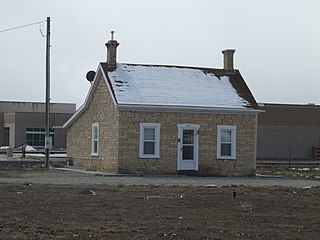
72 177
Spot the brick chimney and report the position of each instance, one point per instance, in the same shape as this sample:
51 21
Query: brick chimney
112 52
228 60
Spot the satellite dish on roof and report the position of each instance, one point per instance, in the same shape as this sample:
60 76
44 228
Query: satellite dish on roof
90 76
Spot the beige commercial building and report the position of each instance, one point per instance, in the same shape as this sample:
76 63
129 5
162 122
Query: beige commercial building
288 131
24 123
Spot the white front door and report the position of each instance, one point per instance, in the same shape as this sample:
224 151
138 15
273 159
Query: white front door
188 141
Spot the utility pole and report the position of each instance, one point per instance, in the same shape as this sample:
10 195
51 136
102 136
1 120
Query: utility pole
48 141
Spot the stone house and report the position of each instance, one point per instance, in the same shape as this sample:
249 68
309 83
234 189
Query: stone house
165 119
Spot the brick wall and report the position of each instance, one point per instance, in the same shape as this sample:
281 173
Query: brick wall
101 110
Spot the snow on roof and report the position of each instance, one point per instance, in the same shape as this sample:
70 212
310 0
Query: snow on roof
173 86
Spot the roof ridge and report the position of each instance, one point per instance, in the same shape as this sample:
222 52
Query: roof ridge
170 66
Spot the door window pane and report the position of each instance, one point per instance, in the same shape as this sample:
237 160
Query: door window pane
188 136
187 153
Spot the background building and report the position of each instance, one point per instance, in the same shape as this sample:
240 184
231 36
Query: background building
288 131
24 123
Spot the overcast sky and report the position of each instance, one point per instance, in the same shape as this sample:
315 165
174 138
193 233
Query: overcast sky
277 43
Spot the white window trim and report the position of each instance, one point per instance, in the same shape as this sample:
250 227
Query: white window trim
156 126
233 130
94 125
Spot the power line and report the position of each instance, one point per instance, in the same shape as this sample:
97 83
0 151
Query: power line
23 26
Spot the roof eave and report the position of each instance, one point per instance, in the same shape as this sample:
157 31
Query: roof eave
74 117
189 109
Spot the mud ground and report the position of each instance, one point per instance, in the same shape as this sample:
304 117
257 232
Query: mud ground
102 211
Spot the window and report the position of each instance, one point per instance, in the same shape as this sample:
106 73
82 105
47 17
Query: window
226 142
95 139
36 136
149 140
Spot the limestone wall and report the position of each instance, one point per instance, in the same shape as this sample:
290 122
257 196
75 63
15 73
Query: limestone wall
167 163
79 139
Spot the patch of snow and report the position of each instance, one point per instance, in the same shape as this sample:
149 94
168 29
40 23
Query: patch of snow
30 149
173 86
55 155
303 169
268 176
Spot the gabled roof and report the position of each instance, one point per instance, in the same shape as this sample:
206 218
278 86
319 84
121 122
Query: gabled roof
158 85
174 88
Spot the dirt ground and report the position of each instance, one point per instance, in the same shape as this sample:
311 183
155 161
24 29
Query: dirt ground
39 211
